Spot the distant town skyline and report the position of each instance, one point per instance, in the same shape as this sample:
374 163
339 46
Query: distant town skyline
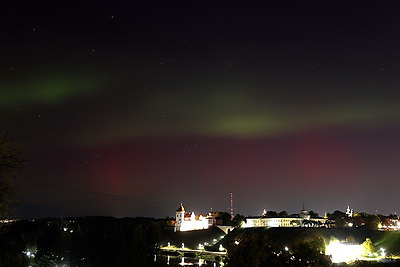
128 108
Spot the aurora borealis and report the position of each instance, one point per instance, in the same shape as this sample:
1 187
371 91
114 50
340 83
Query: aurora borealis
130 108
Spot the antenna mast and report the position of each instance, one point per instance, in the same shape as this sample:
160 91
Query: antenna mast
231 208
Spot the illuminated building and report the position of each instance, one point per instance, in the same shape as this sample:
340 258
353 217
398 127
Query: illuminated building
301 220
189 221
349 212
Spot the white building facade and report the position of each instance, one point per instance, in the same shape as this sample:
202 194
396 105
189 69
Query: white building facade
302 220
189 221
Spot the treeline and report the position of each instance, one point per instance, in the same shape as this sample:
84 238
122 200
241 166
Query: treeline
254 247
225 218
364 220
87 241
294 246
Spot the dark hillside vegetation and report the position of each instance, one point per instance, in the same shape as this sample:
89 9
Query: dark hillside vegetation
289 236
87 241
298 246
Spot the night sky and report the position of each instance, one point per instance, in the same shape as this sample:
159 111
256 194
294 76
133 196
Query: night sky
129 108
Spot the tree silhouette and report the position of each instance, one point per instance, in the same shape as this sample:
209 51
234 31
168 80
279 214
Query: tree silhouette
271 214
313 214
238 220
283 213
225 217
10 165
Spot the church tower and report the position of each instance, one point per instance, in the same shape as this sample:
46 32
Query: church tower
180 217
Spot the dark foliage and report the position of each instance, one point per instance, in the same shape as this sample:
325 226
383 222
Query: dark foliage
238 220
89 241
225 218
255 248
11 163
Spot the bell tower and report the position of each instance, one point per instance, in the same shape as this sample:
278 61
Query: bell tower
180 216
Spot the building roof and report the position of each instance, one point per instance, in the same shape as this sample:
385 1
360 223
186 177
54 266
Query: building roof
181 208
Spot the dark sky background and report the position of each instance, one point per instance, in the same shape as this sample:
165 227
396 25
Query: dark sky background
127 108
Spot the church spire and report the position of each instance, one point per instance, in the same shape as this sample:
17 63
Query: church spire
181 208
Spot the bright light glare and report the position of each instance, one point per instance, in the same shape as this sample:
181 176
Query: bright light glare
29 254
342 252
383 254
